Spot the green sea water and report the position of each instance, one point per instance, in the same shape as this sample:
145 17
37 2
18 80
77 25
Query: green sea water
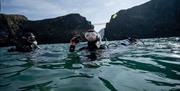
152 66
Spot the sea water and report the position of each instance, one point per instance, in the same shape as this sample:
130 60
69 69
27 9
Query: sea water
152 66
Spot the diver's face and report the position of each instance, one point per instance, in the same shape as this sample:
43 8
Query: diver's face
91 36
31 38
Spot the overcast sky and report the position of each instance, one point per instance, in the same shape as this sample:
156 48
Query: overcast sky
96 11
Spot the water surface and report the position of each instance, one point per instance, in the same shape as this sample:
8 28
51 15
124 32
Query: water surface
154 66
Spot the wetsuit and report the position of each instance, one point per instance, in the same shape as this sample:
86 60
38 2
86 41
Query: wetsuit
73 43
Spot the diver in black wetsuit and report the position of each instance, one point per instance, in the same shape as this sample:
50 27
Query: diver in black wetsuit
93 41
26 43
132 40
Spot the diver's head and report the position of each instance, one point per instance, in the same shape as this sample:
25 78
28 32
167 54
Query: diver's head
30 37
91 35
29 34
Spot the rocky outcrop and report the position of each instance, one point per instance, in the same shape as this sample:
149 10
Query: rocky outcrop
156 18
9 25
55 30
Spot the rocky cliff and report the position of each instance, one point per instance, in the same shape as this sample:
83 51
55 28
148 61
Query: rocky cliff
9 26
156 18
56 30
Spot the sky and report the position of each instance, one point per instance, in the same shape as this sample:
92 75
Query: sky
96 11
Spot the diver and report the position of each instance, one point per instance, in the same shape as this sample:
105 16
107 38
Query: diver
93 41
25 43
73 42
132 40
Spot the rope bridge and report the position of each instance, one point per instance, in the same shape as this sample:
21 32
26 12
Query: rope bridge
100 23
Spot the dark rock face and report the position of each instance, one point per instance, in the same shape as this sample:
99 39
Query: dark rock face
56 30
9 26
156 18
